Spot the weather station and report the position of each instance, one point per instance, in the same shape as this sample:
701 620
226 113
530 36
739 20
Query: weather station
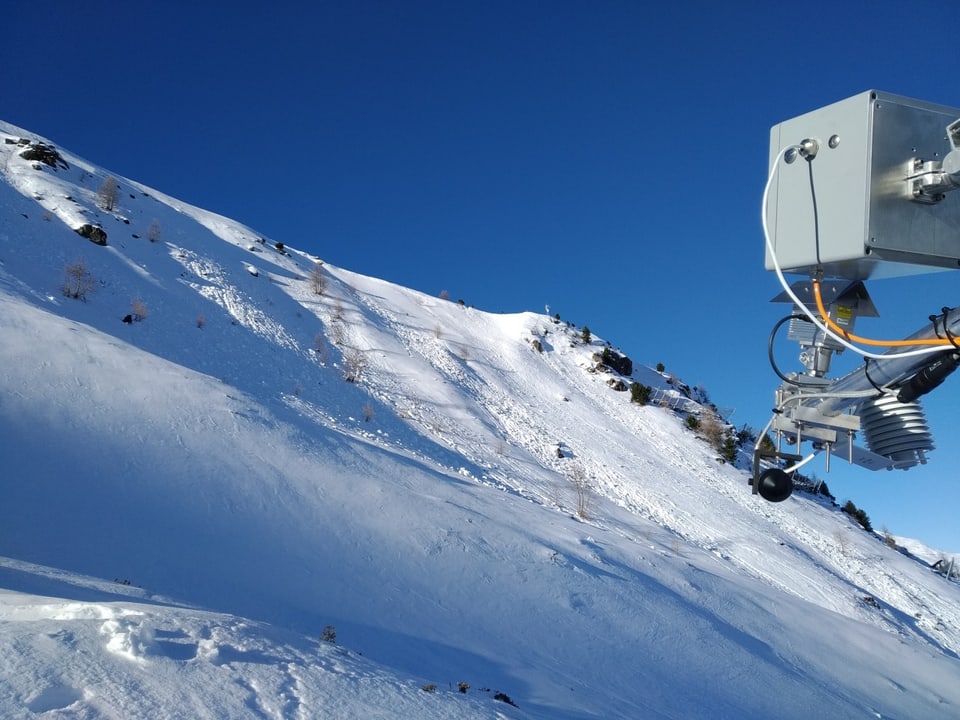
858 190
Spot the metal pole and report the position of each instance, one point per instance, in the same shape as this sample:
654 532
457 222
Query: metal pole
887 371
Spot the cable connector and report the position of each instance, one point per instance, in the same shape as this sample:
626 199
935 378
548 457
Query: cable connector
809 149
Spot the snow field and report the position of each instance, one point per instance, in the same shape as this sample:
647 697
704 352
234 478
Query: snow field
421 509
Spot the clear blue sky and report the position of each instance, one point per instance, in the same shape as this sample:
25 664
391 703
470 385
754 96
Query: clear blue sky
605 158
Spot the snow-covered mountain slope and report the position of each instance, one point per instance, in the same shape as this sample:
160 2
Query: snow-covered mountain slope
250 460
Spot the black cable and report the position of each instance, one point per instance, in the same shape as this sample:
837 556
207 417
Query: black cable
816 215
936 330
946 331
866 373
773 362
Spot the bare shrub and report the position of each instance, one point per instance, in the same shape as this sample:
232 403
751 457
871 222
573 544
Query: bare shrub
444 295
107 193
328 634
841 541
368 412
201 321
581 487
339 332
153 232
437 331
889 539
320 348
138 309
77 280
712 429
318 280
354 364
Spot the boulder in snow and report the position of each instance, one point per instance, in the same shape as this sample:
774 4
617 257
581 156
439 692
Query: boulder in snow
93 233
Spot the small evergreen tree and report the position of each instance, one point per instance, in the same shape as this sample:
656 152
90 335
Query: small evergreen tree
586 336
661 367
858 514
640 394
728 450
766 444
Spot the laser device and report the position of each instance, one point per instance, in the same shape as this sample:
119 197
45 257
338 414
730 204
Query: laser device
859 189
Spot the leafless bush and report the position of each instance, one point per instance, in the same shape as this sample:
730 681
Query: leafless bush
712 429
77 280
153 232
328 634
320 348
138 309
354 364
318 280
841 541
581 487
368 412
107 193
201 321
339 332
889 539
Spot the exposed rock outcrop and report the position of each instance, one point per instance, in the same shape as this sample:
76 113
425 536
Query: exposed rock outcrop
92 233
47 154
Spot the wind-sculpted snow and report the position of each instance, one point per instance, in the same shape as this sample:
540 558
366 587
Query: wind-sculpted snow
160 661
253 461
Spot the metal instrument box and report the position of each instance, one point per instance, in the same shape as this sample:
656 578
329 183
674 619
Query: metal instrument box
853 209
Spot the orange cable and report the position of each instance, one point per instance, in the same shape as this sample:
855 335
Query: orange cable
867 341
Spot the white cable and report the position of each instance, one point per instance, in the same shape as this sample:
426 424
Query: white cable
797 465
803 308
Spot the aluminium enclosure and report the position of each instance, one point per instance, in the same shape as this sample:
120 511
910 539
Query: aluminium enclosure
850 209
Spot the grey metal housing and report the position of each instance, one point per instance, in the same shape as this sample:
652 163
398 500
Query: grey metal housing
853 208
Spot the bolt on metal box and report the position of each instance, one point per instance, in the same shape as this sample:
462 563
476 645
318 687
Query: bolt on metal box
853 202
